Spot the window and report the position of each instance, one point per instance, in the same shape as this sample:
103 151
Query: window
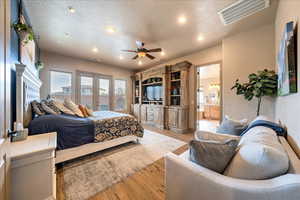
94 90
60 85
120 95
86 91
104 97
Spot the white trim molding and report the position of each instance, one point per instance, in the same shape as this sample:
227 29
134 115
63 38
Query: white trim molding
28 89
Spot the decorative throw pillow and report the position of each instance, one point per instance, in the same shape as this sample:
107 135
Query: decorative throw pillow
206 135
231 126
89 111
82 108
260 156
47 109
50 104
73 107
37 108
62 108
214 155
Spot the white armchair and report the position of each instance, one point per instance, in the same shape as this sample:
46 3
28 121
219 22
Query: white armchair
186 180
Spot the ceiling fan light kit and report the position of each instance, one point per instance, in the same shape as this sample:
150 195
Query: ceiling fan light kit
142 52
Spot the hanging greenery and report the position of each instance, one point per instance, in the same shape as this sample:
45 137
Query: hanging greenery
39 65
264 83
24 31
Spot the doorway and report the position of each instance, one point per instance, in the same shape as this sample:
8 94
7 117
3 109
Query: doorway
209 97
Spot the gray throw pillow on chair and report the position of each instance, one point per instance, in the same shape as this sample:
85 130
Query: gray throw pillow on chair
232 126
214 155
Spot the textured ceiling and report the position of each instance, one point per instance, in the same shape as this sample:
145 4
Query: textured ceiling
151 21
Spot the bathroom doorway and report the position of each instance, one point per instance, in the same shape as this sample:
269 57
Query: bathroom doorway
209 97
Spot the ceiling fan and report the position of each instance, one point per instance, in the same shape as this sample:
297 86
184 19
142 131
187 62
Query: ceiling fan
142 52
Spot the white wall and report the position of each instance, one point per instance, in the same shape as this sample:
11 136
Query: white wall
245 53
58 62
287 108
240 54
209 55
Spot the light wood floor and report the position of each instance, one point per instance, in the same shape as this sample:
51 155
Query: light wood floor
147 184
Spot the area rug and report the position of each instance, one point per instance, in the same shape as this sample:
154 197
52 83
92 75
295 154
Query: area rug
88 176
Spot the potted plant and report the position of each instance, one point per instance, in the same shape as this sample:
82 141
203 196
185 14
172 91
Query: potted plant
25 32
39 65
263 83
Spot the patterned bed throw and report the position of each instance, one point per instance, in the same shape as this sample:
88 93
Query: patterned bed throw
110 125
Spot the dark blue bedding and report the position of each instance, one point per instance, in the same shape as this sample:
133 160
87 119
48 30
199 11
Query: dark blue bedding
71 131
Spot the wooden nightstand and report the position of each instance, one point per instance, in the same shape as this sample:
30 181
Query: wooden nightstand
33 168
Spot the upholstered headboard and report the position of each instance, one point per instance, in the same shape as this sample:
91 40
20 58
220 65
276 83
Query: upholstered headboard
28 89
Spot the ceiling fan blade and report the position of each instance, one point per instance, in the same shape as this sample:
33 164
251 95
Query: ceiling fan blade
150 56
130 51
135 57
139 44
155 50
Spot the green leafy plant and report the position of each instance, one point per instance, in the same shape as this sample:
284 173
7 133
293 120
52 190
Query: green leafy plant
263 83
24 31
39 65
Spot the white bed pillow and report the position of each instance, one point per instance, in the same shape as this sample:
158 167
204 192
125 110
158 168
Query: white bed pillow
260 156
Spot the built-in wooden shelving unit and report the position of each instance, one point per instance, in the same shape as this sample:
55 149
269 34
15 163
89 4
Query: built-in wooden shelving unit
161 97
137 91
175 88
152 91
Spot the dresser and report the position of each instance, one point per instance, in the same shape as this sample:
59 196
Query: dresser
33 168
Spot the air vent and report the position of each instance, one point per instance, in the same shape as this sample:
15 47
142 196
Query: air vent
242 9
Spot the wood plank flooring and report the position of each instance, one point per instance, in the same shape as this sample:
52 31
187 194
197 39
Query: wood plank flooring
147 184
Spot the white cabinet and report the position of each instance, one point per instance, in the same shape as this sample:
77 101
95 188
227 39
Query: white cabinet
33 168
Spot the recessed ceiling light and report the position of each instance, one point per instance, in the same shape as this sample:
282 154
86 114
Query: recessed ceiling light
110 29
182 20
95 49
72 10
200 38
121 57
140 63
67 35
162 53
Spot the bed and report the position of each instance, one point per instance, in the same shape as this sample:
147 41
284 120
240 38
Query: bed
74 131
75 136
